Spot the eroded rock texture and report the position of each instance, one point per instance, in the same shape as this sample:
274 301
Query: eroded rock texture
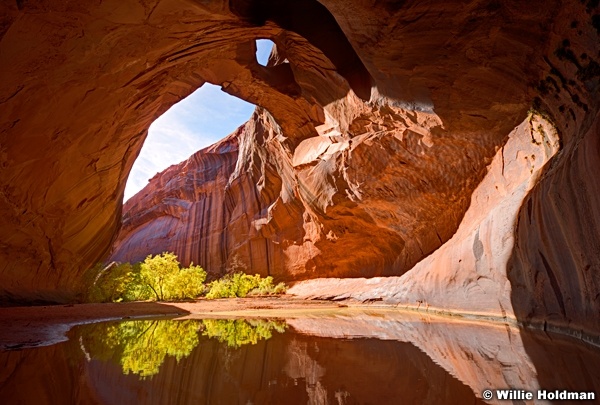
377 122
526 249
468 273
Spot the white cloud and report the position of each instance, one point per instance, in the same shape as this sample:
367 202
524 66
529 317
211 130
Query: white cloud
201 119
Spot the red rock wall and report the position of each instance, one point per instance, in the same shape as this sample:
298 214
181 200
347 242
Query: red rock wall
467 273
182 210
312 212
554 267
527 248
382 120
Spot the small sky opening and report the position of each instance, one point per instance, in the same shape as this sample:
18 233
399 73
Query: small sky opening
263 50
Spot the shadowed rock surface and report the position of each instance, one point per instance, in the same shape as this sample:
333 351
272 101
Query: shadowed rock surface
377 123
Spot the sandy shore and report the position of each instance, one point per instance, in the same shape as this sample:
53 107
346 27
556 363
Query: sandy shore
22 327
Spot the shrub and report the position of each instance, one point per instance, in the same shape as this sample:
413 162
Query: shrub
162 275
230 286
266 287
160 278
240 285
117 282
186 283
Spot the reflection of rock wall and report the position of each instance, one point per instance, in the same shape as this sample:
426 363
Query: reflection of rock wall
286 369
382 357
482 356
45 376
301 366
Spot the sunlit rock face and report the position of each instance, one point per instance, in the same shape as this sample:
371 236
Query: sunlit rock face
467 273
382 182
377 124
305 214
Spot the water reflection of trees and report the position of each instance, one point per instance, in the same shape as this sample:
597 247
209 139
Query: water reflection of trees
239 332
140 347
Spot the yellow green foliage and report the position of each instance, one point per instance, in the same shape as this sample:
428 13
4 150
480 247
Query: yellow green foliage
157 278
187 283
266 287
162 275
140 347
241 285
117 283
160 278
239 332
157 270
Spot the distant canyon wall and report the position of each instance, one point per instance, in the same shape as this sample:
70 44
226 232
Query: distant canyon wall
359 200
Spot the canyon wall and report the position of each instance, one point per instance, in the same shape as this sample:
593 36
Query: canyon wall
313 212
526 249
376 125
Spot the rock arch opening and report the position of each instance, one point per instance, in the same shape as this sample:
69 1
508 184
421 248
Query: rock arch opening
203 118
263 50
314 22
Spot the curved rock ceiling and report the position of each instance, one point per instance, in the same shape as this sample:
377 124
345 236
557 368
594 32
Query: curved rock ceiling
377 123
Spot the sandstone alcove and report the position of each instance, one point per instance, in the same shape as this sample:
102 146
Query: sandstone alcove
439 157
362 160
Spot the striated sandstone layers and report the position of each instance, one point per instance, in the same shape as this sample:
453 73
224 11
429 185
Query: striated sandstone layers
311 213
467 273
377 122
527 248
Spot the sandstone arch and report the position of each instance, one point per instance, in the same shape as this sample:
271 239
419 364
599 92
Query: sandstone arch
426 92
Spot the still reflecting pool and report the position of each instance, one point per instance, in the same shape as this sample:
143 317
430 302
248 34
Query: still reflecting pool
142 346
355 359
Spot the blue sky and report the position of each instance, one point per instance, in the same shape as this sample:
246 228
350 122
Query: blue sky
201 119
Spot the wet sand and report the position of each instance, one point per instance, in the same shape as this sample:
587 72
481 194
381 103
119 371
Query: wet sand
22 327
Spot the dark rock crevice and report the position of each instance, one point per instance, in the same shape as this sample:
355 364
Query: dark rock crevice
314 22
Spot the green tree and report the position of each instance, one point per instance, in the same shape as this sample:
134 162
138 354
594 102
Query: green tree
162 275
158 278
157 270
186 283
117 282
